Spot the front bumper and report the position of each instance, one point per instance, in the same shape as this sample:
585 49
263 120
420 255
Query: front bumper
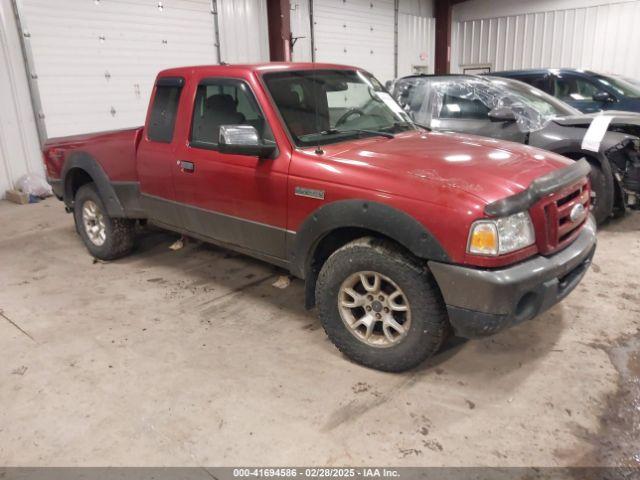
483 302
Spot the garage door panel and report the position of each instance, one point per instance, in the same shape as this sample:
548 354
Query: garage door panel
356 32
115 48
244 35
96 61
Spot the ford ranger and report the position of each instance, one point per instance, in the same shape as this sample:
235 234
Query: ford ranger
401 235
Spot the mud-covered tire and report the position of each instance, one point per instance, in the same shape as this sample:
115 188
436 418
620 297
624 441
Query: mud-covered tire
603 188
428 322
119 233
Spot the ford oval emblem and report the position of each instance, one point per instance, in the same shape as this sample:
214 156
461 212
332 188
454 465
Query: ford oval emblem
577 213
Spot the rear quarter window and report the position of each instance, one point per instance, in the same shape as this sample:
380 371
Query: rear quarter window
164 110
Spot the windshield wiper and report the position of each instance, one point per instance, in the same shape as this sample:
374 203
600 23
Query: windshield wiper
401 125
333 131
428 129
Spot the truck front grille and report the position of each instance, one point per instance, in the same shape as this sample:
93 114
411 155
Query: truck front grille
555 229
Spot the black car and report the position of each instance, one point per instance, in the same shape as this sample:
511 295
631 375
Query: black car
511 110
583 89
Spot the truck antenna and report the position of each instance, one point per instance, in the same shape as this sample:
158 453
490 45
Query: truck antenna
314 79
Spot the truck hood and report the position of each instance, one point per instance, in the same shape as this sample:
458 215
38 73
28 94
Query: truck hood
620 118
486 168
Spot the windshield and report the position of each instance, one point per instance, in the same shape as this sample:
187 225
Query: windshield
327 106
429 100
620 86
546 104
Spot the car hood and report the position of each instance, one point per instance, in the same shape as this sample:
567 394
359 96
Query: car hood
583 120
487 168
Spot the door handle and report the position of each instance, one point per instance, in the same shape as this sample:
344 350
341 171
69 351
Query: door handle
186 166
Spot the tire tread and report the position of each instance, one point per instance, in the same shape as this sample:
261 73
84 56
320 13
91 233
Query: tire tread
434 317
120 231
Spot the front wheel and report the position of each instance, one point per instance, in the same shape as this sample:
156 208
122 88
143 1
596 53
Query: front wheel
379 306
106 238
603 193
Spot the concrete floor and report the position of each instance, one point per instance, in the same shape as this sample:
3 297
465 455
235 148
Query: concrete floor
192 357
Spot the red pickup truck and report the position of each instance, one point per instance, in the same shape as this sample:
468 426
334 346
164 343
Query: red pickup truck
401 234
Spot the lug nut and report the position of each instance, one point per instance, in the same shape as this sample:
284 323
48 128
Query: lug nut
381 298
378 315
369 297
386 310
368 308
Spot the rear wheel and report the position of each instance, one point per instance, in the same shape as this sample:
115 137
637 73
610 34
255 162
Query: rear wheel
379 306
106 238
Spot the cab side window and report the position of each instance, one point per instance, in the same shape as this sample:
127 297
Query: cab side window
537 81
164 109
225 102
463 108
570 88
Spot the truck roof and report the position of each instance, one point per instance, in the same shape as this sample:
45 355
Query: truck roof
254 67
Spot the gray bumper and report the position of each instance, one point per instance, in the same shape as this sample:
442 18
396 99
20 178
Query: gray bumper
482 302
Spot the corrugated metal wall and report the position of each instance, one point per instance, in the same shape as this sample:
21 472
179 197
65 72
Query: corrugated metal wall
602 37
416 44
356 32
19 148
244 33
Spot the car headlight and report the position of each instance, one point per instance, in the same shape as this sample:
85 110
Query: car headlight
501 235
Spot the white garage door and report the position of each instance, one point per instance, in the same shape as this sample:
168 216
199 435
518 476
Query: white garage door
356 32
96 59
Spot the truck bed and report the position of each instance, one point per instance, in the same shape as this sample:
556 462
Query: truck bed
114 150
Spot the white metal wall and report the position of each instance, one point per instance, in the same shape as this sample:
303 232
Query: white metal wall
416 44
421 8
244 32
96 59
356 32
601 37
19 147
361 33
300 31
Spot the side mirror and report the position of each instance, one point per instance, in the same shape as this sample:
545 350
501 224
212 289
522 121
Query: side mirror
243 140
603 97
502 114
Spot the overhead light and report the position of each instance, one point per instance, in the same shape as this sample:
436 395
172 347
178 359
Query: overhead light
458 158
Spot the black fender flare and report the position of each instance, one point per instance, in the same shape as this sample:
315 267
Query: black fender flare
84 161
376 217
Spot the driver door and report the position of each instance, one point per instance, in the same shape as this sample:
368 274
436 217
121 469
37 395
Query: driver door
464 115
577 92
234 199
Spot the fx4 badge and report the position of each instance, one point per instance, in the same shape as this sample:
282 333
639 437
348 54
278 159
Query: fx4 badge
309 192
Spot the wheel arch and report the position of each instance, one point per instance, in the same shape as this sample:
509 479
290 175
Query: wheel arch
336 224
81 168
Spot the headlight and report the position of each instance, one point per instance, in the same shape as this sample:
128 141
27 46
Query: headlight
502 235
